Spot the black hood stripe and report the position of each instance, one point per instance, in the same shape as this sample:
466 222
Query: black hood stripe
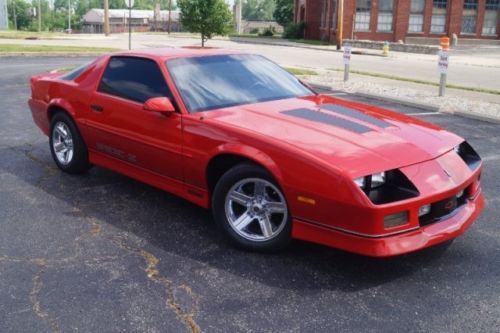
354 114
329 119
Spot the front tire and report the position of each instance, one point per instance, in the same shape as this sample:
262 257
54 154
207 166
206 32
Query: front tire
67 146
251 209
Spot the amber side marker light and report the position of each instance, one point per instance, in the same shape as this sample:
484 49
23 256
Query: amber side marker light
395 220
306 200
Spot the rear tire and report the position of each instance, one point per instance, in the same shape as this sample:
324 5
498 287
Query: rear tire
68 149
250 208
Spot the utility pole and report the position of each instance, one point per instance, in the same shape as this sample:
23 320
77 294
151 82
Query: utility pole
15 14
39 16
340 23
237 15
106 17
169 16
69 16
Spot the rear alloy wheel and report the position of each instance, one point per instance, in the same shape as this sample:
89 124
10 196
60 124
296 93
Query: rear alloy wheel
67 146
252 210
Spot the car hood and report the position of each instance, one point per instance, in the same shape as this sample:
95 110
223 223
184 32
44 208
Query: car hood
357 138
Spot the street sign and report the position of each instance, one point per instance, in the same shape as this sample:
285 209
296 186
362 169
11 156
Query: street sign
129 3
347 54
443 62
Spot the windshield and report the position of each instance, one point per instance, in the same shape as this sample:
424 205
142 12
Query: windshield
213 82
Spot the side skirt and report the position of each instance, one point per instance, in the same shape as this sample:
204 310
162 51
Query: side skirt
193 194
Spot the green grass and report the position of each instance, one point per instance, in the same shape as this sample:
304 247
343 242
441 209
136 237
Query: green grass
300 71
430 83
310 41
15 48
13 34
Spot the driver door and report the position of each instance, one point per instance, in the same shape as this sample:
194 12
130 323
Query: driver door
121 129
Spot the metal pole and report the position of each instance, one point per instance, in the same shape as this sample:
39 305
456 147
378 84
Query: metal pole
39 16
340 23
106 17
15 14
169 15
69 16
442 85
346 72
129 27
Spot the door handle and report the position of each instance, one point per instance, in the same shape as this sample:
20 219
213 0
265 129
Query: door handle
96 108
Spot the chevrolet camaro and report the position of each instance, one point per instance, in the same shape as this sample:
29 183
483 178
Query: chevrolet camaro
235 133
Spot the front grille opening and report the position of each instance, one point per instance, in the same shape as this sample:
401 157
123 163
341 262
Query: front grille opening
440 210
397 187
469 155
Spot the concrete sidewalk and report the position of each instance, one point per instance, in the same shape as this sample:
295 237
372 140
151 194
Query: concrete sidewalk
466 103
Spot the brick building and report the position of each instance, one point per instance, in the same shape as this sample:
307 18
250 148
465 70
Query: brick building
393 20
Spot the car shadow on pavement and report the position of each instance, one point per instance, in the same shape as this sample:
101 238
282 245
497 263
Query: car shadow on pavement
176 230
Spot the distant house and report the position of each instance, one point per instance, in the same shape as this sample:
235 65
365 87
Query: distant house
394 20
141 20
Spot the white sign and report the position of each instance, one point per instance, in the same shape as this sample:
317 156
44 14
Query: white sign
129 3
347 54
443 62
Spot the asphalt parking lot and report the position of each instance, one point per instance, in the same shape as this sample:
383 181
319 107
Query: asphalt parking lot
104 253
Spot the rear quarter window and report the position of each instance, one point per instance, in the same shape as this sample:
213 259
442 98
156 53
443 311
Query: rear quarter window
74 73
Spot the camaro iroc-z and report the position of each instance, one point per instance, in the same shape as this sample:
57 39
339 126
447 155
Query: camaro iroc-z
273 160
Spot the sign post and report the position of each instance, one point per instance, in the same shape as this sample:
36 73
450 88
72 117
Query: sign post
347 61
443 70
129 4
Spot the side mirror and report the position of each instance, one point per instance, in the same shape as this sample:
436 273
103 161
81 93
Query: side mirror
159 104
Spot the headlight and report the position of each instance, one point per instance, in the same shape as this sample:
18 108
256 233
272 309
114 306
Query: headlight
387 186
370 182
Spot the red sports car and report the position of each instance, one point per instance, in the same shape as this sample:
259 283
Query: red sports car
236 133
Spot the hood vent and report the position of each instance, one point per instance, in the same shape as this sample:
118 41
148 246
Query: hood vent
324 118
354 114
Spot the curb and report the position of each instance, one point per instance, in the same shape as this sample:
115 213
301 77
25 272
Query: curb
402 101
477 117
422 106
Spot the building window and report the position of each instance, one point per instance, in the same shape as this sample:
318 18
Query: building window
469 17
416 16
334 13
438 21
363 12
384 22
491 17
324 14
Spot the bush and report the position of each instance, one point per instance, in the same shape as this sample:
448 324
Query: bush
254 31
268 32
294 31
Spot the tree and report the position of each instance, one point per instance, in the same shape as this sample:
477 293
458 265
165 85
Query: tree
208 17
283 14
258 10
23 14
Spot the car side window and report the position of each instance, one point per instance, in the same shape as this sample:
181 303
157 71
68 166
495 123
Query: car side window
137 79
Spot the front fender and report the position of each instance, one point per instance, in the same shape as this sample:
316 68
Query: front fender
252 154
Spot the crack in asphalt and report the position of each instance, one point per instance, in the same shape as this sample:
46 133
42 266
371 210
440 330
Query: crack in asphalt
186 316
35 301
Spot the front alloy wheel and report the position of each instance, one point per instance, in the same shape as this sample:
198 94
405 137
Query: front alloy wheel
256 209
251 209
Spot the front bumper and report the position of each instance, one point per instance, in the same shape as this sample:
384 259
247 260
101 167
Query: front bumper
404 242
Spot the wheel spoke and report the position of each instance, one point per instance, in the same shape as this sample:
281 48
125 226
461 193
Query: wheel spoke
243 221
275 207
266 226
60 130
58 147
240 198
